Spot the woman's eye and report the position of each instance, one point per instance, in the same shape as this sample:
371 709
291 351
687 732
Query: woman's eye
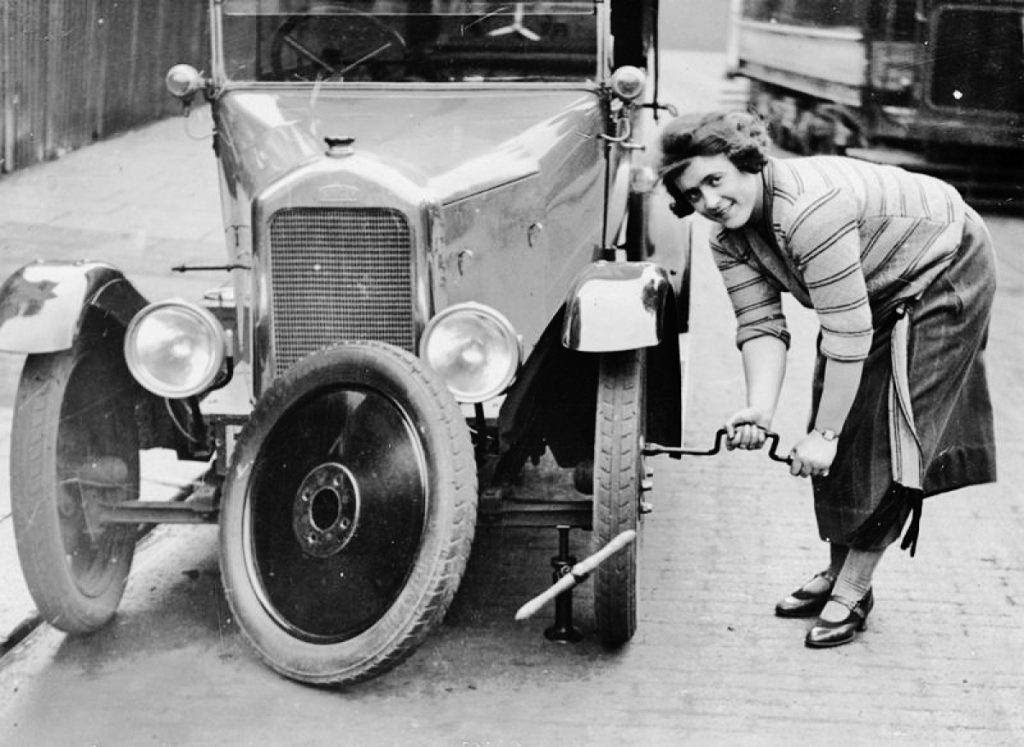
715 181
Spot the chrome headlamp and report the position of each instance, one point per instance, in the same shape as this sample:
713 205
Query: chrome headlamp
183 81
474 349
628 82
174 348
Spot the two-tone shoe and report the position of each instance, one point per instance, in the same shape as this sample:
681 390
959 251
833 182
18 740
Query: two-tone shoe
804 603
826 634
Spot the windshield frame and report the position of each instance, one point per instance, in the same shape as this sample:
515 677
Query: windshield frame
402 7
219 9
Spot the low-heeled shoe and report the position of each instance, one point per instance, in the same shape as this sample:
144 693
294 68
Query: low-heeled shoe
825 634
803 603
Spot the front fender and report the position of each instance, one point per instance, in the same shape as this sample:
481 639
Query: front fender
43 305
616 306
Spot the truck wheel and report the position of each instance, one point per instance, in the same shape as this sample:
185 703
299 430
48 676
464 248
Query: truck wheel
348 513
74 444
618 470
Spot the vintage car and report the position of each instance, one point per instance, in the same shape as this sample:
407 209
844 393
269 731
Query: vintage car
446 258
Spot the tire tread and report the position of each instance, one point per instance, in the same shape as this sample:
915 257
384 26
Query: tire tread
619 430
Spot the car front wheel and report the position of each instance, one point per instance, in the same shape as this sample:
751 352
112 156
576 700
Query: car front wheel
74 448
618 471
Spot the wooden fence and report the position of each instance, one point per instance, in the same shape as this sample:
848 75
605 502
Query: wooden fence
75 71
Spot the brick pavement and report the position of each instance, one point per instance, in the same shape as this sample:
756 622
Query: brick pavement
943 659
941 663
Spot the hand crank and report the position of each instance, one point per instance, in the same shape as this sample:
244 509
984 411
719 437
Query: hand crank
677 452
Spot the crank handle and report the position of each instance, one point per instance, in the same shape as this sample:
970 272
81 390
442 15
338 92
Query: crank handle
653 449
577 574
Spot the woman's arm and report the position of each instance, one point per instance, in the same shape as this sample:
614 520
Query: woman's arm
813 454
842 379
764 365
823 237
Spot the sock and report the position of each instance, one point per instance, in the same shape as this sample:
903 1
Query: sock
837 556
853 582
819 585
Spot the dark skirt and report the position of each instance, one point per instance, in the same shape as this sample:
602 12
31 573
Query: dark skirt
859 505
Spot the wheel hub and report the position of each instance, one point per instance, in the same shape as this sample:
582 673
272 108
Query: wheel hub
326 510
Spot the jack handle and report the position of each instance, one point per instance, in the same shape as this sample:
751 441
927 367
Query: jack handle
677 452
577 574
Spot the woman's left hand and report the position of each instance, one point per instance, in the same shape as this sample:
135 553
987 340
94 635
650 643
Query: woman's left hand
812 456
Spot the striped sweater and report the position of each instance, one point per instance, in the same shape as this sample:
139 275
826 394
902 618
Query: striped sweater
851 240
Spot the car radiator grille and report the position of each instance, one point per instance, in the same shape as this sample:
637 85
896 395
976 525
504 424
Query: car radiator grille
339 274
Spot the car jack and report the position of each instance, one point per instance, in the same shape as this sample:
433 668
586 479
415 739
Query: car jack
567 574
563 630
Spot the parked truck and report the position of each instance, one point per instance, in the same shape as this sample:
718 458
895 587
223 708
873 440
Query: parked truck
933 85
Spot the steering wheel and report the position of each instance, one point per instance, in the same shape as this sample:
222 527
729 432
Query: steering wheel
329 46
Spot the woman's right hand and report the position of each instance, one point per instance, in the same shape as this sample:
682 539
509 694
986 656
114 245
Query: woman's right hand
746 429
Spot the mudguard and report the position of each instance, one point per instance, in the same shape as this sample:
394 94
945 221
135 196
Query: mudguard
43 305
616 306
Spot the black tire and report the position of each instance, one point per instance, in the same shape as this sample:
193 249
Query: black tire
337 565
74 440
618 471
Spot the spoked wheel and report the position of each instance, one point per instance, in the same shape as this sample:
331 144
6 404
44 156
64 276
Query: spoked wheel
310 48
348 514
74 445
618 471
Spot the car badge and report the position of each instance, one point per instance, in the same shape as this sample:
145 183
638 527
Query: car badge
339 193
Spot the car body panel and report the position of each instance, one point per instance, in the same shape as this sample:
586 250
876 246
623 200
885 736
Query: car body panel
523 165
439 138
43 304
616 306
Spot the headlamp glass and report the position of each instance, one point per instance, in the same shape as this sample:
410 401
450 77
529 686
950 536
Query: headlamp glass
474 349
174 348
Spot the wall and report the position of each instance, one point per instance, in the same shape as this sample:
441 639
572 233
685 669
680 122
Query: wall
75 71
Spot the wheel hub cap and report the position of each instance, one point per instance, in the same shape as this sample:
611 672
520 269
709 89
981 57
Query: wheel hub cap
326 509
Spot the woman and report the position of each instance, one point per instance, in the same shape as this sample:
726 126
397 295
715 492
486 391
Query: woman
901 274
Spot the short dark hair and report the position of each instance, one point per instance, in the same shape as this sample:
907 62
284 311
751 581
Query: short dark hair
741 136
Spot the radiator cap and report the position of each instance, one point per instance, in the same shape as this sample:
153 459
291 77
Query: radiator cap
339 147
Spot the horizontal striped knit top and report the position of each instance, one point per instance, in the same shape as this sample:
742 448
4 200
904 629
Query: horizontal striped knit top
851 240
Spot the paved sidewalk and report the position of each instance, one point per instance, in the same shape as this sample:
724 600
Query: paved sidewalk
143 201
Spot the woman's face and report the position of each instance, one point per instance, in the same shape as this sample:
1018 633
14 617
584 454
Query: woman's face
721 192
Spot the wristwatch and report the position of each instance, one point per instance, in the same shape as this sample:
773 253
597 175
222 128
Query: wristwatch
827 433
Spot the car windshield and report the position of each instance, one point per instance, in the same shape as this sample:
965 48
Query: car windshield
408 40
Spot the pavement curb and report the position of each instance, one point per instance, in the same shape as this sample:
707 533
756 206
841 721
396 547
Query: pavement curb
20 632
